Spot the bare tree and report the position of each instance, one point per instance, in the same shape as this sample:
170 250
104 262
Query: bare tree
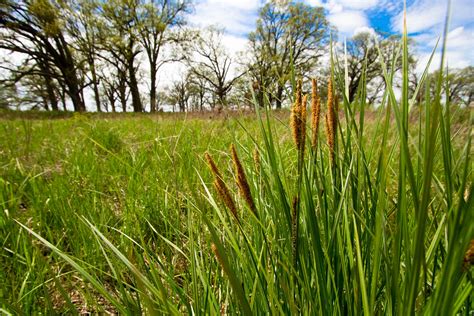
214 64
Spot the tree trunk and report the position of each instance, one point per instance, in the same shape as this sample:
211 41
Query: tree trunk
62 94
133 85
221 95
353 90
153 107
68 69
279 97
51 95
95 84
110 95
48 81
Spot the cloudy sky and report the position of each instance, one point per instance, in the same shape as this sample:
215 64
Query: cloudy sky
425 20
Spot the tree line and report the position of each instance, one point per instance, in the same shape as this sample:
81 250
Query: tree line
109 55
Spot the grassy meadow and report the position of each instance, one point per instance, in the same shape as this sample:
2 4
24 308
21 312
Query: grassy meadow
132 224
330 209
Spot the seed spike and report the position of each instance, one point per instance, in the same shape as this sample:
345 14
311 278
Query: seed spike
221 187
315 113
241 180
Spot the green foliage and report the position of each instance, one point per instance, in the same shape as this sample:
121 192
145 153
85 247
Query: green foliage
288 34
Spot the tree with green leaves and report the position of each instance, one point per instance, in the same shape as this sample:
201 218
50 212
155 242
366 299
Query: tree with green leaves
289 35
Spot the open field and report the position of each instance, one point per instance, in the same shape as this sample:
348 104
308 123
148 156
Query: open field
132 223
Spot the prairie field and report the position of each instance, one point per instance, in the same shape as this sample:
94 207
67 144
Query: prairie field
120 214
283 157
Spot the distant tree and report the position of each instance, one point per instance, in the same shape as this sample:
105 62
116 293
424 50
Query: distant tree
8 95
212 63
84 25
114 88
461 85
288 34
179 93
362 52
121 46
159 24
459 82
199 90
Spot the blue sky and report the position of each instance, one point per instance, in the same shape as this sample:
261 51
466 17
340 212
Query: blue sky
425 20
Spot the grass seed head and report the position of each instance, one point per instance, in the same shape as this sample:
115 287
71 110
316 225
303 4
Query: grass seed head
212 166
241 179
221 187
298 117
303 116
256 160
224 193
469 257
315 113
216 253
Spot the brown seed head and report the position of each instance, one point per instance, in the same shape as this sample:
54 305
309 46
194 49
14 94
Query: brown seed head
298 118
216 253
315 113
303 116
241 179
224 193
212 166
256 160
469 256
221 187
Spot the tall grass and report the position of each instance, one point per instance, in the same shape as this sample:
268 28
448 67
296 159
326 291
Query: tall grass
375 219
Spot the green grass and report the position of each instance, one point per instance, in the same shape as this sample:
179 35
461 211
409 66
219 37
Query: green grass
128 213
119 213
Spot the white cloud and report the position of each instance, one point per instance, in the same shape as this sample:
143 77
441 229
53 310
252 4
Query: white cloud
359 4
234 44
348 21
458 49
430 15
241 4
238 17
